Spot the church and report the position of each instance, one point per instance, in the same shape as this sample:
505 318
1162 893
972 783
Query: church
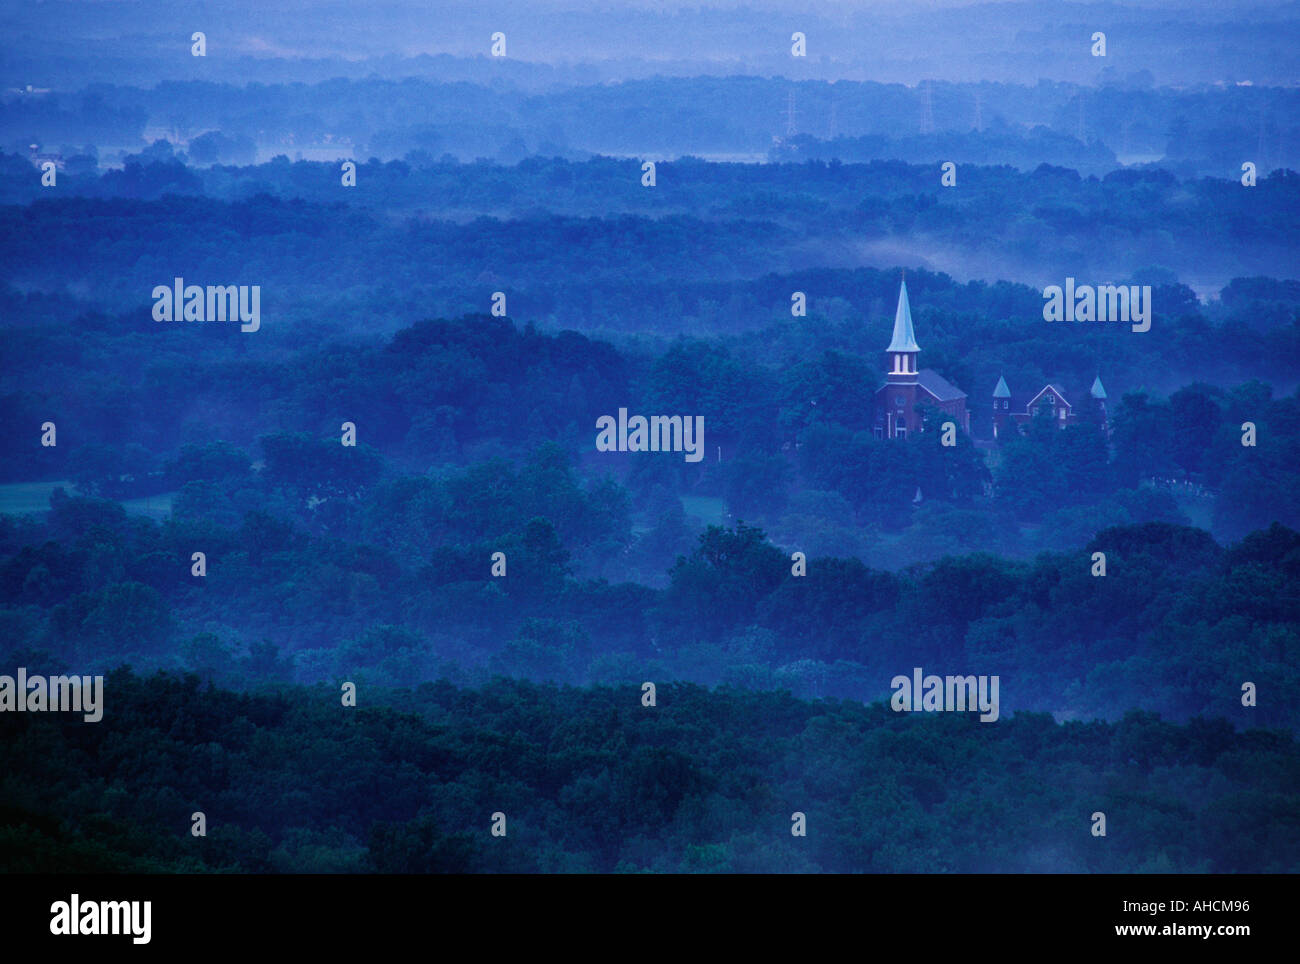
908 390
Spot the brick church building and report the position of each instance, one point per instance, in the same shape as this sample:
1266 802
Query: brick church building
907 389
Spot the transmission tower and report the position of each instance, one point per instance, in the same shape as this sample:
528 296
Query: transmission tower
1259 151
927 109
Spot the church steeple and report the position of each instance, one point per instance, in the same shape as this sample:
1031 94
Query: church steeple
903 348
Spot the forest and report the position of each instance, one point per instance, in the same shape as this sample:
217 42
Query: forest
584 245
362 586
589 780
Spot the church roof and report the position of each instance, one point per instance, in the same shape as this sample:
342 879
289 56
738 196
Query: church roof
904 337
1097 390
1002 391
1052 387
938 386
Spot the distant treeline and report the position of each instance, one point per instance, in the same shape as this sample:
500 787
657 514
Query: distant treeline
711 248
1205 129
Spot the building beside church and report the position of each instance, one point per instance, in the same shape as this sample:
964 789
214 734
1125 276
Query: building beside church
1015 414
909 390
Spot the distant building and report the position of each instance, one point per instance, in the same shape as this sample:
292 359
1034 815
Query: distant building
1012 413
908 390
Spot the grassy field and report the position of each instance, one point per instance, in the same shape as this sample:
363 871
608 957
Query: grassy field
156 507
25 498
705 509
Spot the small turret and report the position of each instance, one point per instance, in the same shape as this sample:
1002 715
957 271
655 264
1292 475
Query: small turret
1001 406
1099 403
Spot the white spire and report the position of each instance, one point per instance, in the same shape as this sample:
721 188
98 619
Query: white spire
904 337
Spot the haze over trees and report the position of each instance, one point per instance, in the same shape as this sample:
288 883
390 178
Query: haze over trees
499 590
